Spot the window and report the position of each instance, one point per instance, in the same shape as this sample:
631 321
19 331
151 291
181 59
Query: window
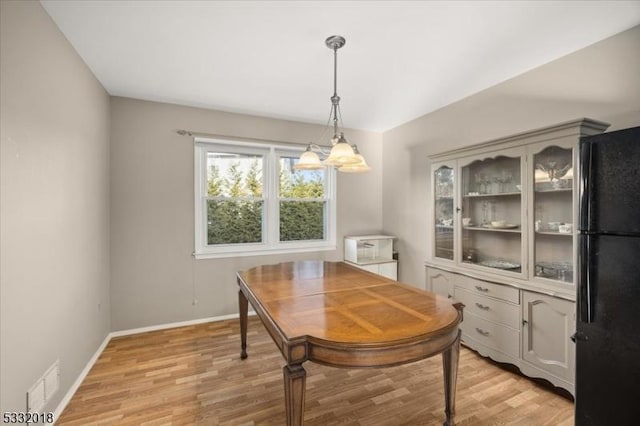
250 200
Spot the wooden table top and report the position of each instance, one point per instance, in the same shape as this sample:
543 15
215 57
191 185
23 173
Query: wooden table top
336 302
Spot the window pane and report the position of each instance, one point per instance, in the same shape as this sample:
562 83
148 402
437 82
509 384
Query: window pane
251 200
300 183
234 175
234 221
302 220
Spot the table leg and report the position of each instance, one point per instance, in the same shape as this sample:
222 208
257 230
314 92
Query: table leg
450 359
294 388
243 307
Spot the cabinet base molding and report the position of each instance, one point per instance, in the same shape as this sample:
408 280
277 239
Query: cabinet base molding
488 352
558 385
533 371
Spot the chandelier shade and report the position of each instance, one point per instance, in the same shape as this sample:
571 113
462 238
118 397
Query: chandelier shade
360 166
341 154
309 160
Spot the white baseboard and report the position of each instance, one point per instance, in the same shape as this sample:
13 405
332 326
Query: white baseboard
74 387
83 374
174 325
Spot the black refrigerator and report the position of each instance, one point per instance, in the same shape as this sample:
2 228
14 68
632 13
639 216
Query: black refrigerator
608 286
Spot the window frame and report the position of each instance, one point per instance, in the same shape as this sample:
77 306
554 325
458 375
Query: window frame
271 244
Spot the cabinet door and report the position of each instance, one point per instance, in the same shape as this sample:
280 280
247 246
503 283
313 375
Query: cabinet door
554 212
440 282
548 324
493 220
389 270
443 221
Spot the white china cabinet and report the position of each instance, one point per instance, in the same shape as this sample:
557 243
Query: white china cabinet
503 242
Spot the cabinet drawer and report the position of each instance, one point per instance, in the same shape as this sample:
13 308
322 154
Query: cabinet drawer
499 291
495 336
491 309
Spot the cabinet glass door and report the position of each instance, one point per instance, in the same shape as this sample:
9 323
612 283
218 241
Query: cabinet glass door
553 213
492 213
443 214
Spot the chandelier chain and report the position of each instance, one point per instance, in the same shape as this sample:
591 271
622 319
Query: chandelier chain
335 99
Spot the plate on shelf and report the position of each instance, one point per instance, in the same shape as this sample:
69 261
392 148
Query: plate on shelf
499 264
559 266
505 226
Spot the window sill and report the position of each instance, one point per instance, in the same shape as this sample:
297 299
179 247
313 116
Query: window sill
262 252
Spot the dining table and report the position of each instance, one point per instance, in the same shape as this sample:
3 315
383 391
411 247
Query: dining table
336 314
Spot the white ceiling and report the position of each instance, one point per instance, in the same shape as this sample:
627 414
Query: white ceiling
401 60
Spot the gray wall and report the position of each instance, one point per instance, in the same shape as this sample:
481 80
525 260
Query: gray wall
154 276
54 135
600 82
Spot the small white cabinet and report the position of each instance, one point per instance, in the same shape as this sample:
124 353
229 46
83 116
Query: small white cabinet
373 253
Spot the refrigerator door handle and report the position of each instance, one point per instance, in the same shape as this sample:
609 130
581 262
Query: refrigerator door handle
578 335
583 190
585 285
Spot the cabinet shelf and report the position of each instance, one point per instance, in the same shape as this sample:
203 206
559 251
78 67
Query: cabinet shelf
486 264
444 227
563 185
489 229
564 234
554 190
497 194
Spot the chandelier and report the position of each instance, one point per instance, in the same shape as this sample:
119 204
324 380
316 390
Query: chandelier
343 156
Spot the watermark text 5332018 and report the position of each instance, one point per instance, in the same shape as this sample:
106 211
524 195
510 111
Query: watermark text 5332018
20 417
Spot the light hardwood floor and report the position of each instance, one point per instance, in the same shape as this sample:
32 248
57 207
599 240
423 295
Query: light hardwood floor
194 375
